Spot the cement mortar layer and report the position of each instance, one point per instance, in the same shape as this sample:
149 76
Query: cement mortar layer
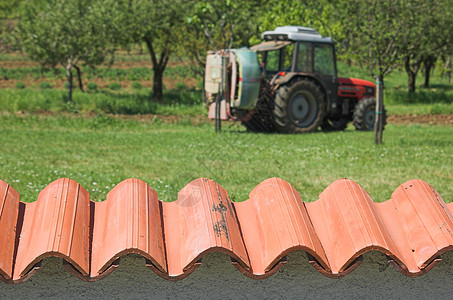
216 278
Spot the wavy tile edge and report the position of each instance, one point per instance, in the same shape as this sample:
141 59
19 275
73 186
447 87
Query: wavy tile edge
280 261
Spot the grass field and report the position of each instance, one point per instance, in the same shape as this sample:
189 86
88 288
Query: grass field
99 152
100 138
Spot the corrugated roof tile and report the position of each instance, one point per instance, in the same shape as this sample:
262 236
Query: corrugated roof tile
55 225
347 223
413 228
419 221
274 221
9 210
202 220
128 222
450 208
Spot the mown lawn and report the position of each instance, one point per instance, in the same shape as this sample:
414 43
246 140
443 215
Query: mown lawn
99 152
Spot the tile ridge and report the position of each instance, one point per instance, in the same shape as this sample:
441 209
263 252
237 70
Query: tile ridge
119 216
353 213
433 220
203 217
145 195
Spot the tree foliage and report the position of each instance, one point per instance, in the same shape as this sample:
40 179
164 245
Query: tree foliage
310 13
215 25
67 33
378 34
9 11
431 35
157 24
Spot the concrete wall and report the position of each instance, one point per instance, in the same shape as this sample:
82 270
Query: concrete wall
216 278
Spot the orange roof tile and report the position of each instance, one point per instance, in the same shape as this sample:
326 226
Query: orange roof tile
274 221
202 220
413 228
55 225
129 221
9 210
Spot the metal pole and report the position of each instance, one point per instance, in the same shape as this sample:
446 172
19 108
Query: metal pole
220 96
379 111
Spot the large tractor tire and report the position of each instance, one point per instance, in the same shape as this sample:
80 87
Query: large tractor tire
299 107
365 115
330 124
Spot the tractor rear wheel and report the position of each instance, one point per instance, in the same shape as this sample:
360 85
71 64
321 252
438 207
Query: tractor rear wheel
365 115
331 124
299 107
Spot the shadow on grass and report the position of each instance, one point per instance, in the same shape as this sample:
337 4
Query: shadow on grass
134 103
439 86
423 96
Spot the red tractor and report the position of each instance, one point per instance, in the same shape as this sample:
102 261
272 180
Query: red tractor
288 84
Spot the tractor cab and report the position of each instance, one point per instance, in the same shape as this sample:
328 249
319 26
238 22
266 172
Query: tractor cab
294 50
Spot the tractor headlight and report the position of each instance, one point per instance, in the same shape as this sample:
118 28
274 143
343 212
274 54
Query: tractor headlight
369 91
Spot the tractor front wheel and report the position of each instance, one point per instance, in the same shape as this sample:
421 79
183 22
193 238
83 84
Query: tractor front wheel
299 107
365 115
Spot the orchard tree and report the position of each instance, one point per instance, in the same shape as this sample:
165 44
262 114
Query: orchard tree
67 33
378 33
157 24
9 11
429 36
443 23
215 25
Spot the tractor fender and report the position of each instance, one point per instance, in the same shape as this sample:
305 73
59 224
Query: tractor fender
293 76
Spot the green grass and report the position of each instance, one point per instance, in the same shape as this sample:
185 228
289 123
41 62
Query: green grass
99 152
111 102
177 101
16 56
419 109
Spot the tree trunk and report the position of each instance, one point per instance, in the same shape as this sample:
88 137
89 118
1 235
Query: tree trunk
157 85
411 82
79 77
428 66
379 110
410 75
448 67
69 75
428 63
159 66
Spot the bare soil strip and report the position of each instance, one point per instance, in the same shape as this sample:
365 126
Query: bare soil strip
421 119
446 119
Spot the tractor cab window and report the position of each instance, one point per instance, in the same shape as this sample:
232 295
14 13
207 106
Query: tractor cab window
304 62
324 59
272 62
279 59
287 61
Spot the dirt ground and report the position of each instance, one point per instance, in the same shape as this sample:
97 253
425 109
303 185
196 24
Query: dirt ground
101 83
169 83
392 119
196 120
21 63
421 119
